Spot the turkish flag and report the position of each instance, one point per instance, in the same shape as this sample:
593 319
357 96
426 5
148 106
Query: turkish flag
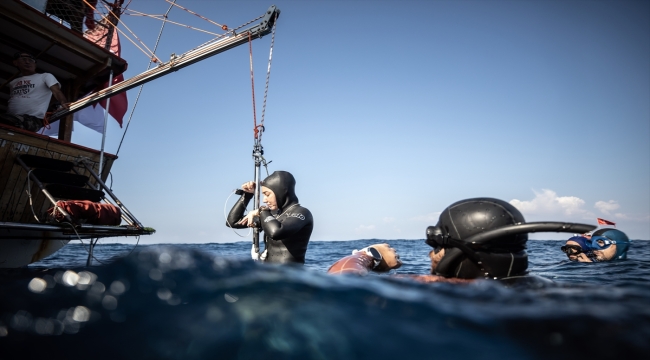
605 222
119 103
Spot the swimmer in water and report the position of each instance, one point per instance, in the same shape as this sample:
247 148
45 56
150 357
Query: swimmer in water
601 245
286 224
480 238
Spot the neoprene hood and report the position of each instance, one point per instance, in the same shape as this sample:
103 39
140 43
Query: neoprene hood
283 185
500 257
486 237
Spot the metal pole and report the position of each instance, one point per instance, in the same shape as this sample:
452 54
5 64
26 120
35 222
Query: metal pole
257 153
257 156
108 106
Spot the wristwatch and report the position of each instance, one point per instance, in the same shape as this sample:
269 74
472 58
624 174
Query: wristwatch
374 254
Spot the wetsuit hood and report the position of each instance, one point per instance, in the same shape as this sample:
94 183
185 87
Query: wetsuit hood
283 185
486 237
463 219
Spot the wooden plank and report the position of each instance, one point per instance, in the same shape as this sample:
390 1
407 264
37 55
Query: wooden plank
8 163
14 200
46 142
22 206
20 185
4 146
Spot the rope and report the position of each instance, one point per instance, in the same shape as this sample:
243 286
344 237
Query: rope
96 242
223 27
250 48
151 61
137 13
268 75
29 194
150 54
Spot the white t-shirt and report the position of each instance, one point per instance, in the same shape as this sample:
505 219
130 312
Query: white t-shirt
31 94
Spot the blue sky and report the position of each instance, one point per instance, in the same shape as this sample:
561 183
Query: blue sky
386 112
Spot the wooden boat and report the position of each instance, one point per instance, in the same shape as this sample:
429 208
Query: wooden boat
37 171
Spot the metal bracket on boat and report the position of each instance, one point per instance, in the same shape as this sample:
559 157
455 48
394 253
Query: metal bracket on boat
40 185
131 219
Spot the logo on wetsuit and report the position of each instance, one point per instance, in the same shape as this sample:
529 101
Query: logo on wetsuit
297 215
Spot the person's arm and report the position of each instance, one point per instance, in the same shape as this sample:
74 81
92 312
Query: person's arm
360 262
237 212
58 95
294 222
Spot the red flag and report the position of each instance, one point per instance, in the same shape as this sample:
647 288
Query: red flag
119 102
605 222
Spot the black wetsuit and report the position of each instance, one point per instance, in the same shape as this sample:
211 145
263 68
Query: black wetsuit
287 230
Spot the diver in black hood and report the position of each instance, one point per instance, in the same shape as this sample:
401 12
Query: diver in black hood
286 224
480 238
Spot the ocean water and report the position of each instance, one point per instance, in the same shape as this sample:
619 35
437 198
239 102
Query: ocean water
209 301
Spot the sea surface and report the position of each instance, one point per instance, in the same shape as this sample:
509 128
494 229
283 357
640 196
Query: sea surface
210 301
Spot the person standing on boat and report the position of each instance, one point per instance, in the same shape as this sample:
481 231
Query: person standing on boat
286 224
30 94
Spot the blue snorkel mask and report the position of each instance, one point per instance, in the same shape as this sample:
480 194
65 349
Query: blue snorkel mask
583 248
599 243
604 238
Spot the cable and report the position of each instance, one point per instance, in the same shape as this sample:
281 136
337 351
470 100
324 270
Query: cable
268 74
29 194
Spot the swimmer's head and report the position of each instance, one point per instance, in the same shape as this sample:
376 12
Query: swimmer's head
501 256
575 246
612 242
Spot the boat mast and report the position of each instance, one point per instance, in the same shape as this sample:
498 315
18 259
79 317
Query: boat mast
113 18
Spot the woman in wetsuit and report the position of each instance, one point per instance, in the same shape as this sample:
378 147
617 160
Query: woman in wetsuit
286 224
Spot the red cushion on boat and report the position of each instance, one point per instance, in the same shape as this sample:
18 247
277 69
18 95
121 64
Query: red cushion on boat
88 212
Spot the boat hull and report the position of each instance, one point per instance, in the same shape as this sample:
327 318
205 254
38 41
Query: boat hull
18 253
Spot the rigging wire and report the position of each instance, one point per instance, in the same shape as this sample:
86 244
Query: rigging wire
268 77
259 129
157 17
150 54
142 86
223 27
250 52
